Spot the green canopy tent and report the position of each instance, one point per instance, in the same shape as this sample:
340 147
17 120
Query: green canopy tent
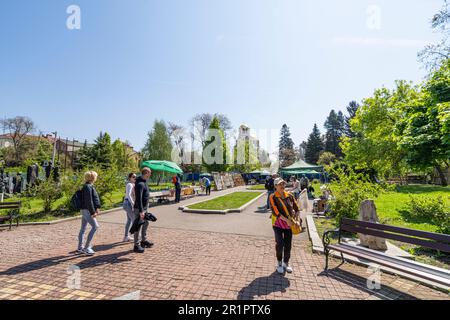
162 165
300 168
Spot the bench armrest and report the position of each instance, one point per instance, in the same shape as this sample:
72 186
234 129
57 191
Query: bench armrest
326 236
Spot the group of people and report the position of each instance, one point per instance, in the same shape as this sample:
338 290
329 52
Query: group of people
284 206
135 204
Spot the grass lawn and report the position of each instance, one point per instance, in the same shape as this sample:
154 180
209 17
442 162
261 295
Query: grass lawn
392 206
233 200
32 208
257 187
392 210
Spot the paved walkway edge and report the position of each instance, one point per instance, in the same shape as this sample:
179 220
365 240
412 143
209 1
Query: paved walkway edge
317 247
204 211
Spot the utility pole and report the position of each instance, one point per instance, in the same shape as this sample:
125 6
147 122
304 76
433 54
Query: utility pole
54 147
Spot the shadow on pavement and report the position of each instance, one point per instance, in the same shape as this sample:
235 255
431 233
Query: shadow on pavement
263 286
91 261
385 292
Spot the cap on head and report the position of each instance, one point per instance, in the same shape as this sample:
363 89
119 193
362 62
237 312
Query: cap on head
278 181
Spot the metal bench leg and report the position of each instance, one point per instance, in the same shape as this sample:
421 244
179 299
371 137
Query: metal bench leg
326 259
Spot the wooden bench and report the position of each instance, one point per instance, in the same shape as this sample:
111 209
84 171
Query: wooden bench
13 213
160 196
436 241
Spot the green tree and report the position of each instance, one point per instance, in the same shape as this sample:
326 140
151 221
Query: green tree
423 129
158 145
326 159
314 146
84 157
102 152
123 160
352 108
375 145
212 161
286 152
335 126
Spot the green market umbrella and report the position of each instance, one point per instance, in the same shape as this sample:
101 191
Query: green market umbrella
162 165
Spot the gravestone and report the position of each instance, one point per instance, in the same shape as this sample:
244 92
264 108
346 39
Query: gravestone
368 212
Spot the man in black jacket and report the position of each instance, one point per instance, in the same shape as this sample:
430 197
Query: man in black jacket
142 193
270 187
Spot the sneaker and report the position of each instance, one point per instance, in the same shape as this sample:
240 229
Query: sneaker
280 268
147 244
79 251
127 239
89 251
138 249
287 268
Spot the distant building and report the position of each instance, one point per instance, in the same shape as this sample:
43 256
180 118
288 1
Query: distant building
246 134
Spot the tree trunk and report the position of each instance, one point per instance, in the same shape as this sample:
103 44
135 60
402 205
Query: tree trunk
441 176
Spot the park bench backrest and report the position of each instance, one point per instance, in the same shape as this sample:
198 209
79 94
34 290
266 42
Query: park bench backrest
10 205
437 241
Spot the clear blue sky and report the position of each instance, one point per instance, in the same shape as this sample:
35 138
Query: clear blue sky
261 62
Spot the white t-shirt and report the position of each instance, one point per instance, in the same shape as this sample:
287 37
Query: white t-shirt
129 193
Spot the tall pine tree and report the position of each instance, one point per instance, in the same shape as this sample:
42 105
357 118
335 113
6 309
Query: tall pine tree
314 146
352 108
334 126
101 152
286 153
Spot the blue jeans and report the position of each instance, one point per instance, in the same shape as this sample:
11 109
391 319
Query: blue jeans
130 217
85 219
268 198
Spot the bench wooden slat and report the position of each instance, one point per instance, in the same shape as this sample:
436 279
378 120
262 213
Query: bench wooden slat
391 263
418 233
9 207
399 237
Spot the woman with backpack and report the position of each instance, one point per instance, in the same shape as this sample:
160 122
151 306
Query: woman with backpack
128 205
90 205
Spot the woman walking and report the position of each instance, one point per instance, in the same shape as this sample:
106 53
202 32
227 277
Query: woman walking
128 205
284 210
90 206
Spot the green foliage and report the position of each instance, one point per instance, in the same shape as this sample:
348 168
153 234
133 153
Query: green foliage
335 128
249 158
433 209
326 159
423 129
286 152
349 190
101 152
123 159
314 146
375 144
221 164
158 145
70 183
49 192
109 180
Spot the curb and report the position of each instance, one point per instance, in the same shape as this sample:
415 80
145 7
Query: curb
52 222
206 211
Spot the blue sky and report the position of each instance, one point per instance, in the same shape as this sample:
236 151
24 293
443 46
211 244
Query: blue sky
261 62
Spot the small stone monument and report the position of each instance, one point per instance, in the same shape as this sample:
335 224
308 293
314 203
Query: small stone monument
368 212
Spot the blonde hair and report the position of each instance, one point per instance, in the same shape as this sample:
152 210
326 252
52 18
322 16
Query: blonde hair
146 170
90 176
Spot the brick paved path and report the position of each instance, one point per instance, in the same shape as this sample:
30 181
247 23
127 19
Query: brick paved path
184 264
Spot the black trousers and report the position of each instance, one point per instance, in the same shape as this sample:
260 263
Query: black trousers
208 190
177 195
283 239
